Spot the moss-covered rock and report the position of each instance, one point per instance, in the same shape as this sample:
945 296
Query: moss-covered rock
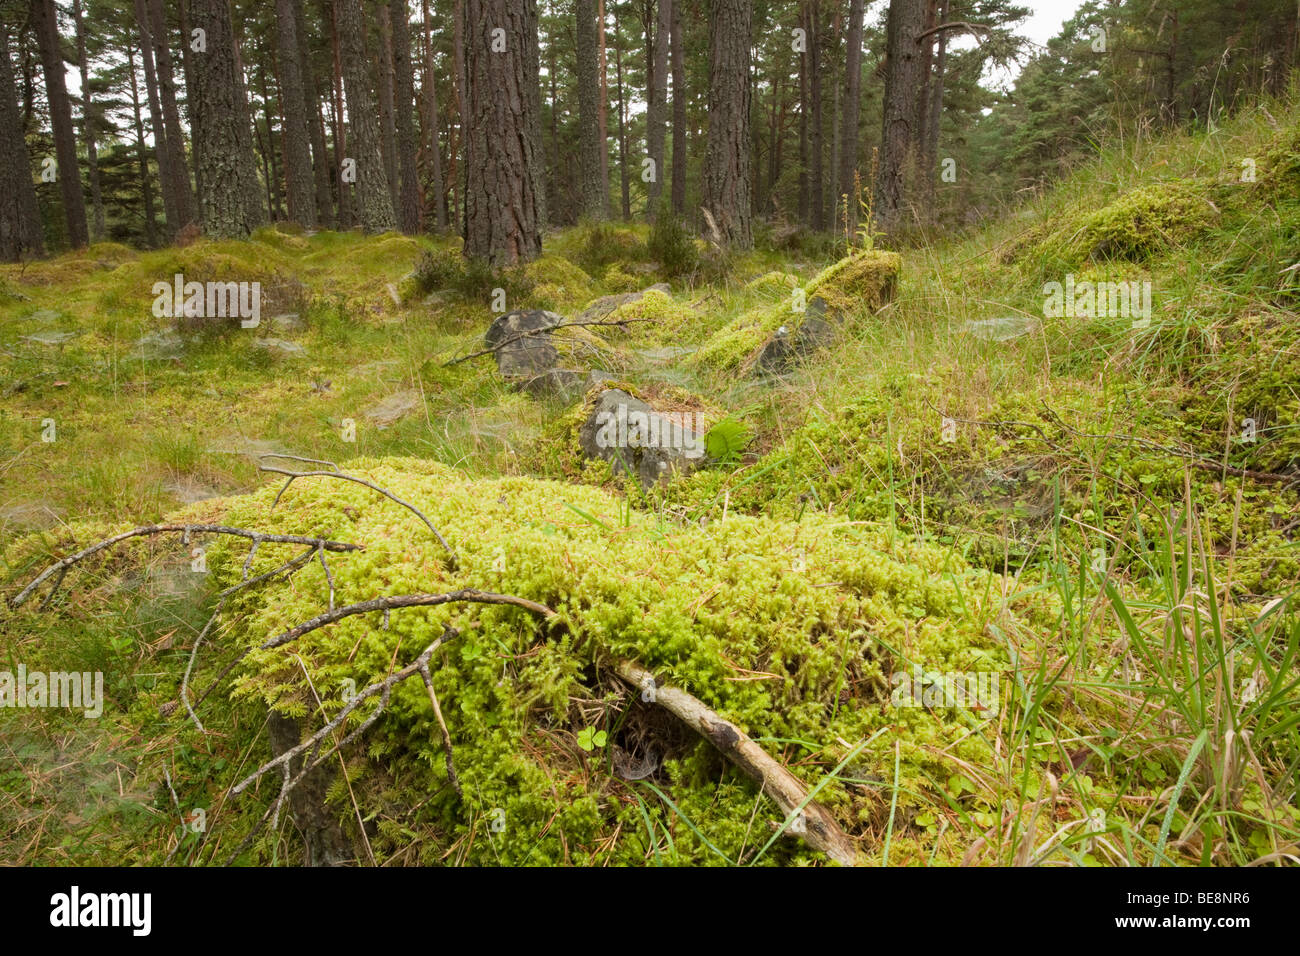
857 284
1144 221
790 630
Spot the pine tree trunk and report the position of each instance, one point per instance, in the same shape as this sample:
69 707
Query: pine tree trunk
504 211
817 176
187 67
347 216
849 121
374 198
625 182
900 132
20 218
142 154
45 23
184 195
320 157
933 115
298 176
593 191
384 89
409 206
726 191
166 181
604 103
222 139
88 132
803 117
429 99
657 112
679 112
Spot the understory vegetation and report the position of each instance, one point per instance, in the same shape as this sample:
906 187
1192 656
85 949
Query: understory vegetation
1101 512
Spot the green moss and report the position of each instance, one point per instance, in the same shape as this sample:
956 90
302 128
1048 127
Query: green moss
1145 221
860 283
695 606
732 346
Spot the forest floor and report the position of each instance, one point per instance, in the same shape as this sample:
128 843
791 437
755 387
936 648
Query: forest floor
1100 510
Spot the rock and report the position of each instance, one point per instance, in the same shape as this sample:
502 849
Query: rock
519 355
281 346
652 445
288 322
42 315
393 408
564 382
606 304
159 346
787 348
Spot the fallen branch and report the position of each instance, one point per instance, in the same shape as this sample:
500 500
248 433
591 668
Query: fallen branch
346 477
384 688
385 604
815 824
531 332
257 537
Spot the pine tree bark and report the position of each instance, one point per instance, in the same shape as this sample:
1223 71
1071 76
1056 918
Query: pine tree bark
347 216
504 209
320 157
804 57
374 198
222 139
384 90
430 119
679 112
298 176
657 112
593 190
625 184
849 121
817 175
88 131
726 191
45 23
187 67
20 218
900 128
142 154
166 180
933 110
184 195
409 206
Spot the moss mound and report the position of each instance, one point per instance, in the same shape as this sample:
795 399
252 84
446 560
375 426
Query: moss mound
791 630
858 283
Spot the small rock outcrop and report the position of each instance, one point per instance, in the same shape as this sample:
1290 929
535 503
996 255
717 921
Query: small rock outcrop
653 445
519 354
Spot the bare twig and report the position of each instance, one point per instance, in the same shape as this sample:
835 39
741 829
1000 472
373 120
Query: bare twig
546 331
257 537
385 604
292 475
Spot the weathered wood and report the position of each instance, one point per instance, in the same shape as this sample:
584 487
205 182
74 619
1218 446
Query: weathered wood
819 829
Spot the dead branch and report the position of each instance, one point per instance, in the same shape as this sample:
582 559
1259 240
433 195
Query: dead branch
531 332
385 604
814 822
346 477
384 689
257 537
